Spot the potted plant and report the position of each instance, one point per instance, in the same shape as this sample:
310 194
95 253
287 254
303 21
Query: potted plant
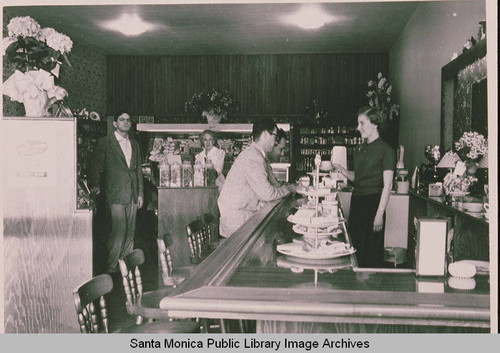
379 97
36 55
213 105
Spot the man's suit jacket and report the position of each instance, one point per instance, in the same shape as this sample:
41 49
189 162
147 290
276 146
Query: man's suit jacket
246 188
122 184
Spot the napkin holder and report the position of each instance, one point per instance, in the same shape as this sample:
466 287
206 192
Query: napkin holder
431 247
436 189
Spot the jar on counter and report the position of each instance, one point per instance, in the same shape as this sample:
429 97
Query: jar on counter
198 174
164 175
187 174
210 173
175 175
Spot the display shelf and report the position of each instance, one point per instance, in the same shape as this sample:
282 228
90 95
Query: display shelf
311 140
88 132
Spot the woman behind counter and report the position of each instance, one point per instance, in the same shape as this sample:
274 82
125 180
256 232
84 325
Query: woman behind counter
373 173
212 153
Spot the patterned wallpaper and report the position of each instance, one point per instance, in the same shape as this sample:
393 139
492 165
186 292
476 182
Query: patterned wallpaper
85 80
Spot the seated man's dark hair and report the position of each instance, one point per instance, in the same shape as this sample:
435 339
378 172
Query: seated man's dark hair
263 125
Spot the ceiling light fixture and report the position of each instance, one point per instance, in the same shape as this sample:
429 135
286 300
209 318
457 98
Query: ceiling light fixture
309 17
129 24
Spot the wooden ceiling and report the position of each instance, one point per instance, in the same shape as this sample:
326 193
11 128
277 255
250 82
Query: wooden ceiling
211 29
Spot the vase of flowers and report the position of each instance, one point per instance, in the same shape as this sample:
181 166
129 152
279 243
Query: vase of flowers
471 147
316 112
457 183
379 97
212 105
36 54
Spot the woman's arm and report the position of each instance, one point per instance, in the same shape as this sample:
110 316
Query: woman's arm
347 173
384 199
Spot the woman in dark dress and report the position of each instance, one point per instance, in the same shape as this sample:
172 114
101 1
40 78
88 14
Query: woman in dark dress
374 162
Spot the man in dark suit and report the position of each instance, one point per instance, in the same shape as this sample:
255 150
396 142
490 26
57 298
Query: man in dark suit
117 160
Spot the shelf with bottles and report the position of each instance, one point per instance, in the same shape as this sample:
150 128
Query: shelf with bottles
312 140
88 132
305 158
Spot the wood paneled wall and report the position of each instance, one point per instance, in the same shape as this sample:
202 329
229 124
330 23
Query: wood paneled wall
262 84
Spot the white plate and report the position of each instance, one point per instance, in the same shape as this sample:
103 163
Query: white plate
481 266
313 192
326 222
309 234
320 173
322 253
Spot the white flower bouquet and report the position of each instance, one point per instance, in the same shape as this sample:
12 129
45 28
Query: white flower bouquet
471 146
457 183
36 54
29 47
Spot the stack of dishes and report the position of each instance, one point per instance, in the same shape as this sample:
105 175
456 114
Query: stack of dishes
474 207
462 275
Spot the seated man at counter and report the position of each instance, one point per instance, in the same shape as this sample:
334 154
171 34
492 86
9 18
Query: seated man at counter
247 184
274 156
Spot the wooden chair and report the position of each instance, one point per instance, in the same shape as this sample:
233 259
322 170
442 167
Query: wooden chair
91 305
93 315
171 277
209 230
146 305
195 235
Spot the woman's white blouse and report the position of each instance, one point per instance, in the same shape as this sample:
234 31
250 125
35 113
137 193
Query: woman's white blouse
216 155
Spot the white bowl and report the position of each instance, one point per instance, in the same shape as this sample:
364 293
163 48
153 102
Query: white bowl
474 207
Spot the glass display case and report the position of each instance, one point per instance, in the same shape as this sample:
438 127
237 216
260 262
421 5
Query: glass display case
181 142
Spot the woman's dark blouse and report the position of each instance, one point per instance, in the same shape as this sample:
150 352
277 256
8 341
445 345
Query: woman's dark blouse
370 161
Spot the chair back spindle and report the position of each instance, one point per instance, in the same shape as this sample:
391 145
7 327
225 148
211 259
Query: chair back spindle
90 304
131 275
194 232
208 220
165 256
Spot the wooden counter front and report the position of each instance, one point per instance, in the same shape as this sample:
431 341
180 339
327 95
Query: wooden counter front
180 206
245 278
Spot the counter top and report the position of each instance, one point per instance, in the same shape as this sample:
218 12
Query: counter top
440 201
245 278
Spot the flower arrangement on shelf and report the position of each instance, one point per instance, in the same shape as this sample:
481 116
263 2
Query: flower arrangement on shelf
213 102
36 55
458 185
316 112
379 97
471 147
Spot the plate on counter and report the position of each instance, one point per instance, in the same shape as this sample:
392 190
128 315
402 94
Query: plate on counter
311 191
316 221
327 250
309 232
